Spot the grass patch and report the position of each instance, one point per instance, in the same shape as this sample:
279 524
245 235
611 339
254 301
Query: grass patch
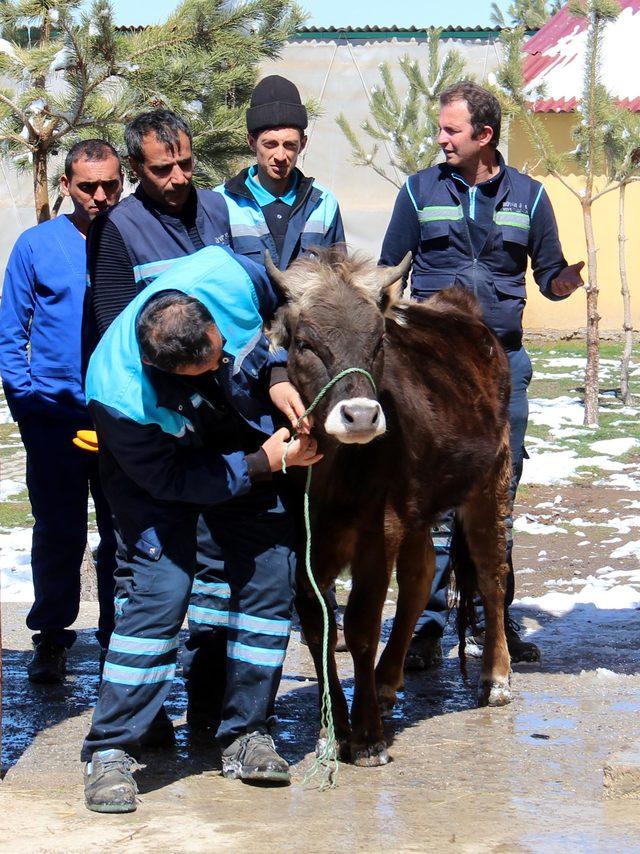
15 514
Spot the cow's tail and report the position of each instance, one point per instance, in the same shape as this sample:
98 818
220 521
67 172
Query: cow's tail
464 573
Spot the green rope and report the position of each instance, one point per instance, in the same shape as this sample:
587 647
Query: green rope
326 761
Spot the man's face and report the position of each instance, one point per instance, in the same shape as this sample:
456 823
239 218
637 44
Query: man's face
165 174
94 185
212 364
277 150
456 135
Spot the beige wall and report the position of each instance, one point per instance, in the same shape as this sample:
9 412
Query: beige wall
570 314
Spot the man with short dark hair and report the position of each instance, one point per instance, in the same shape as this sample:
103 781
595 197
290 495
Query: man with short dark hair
474 222
40 362
179 390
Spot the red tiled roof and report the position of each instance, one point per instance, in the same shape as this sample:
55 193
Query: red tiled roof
554 57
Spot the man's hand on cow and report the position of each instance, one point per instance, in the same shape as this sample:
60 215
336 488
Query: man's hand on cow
303 451
568 281
286 398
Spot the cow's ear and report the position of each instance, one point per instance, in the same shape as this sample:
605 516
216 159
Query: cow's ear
392 283
279 331
391 295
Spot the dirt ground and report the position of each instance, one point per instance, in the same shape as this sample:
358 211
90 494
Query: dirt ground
526 777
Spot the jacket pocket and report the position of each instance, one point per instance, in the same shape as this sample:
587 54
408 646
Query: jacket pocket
56 371
515 234
148 545
434 230
509 288
423 287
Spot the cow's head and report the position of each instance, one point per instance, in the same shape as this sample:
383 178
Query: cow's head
334 319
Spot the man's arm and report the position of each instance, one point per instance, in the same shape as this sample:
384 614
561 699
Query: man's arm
335 232
111 277
403 232
555 278
16 312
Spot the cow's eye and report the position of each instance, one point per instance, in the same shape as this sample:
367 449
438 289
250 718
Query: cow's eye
378 347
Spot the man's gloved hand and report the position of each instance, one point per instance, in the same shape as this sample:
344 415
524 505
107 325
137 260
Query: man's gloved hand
87 440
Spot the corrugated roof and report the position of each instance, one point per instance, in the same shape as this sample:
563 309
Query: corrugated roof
308 33
555 58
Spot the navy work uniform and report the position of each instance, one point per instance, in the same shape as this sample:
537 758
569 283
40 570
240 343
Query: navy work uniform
479 238
171 451
289 226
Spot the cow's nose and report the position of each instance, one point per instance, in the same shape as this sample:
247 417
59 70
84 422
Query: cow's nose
361 416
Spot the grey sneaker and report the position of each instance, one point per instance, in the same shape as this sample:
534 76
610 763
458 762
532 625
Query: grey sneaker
253 757
108 782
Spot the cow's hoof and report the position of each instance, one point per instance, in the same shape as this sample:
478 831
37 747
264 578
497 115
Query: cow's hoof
370 755
494 693
386 700
343 751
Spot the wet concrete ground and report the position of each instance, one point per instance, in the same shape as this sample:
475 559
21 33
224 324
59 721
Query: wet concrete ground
526 777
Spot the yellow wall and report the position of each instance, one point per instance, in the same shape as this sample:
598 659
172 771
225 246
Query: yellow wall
570 314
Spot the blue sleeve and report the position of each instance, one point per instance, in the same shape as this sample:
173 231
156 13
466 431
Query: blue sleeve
16 311
335 232
268 299
547 260
403 232
154 461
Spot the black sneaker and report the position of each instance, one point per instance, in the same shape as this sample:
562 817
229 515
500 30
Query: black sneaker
161 732
423 653
48 663
519 650
108 782
253 757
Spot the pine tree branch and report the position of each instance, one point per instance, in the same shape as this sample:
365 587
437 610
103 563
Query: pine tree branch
19 113
608 189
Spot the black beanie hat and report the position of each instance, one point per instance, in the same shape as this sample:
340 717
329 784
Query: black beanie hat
275 102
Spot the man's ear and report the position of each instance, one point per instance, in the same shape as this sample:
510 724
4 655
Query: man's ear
251 142
64 185
135 166
485 136
303 143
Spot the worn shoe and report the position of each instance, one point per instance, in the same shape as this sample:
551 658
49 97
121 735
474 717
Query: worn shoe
519 650
48 663
108 782
423 653
253 757
161 732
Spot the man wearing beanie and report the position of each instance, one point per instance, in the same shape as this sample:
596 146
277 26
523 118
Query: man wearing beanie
272 205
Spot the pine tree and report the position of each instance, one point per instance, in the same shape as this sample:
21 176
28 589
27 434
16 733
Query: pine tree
406 125
596 109
530 14
78 77
622 152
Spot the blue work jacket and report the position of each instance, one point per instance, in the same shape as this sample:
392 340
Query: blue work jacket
314 221
429 220
149 422
40 321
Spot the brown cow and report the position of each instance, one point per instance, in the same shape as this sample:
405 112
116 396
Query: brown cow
434 437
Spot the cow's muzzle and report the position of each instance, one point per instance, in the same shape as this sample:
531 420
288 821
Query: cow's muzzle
356 420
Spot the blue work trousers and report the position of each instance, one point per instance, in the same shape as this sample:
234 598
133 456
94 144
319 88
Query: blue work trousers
59 479
153 588
432 620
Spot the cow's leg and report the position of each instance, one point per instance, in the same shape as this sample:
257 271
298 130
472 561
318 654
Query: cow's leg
370 571
310 613
414 571
482 518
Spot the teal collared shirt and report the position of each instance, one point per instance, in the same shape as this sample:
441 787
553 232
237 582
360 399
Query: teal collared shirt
264 197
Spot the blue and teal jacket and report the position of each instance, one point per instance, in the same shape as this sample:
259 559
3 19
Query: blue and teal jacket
314 221
478 237
150 423
40 322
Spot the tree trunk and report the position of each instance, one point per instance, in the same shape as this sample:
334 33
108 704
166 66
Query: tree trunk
627 323
41 185
591 378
